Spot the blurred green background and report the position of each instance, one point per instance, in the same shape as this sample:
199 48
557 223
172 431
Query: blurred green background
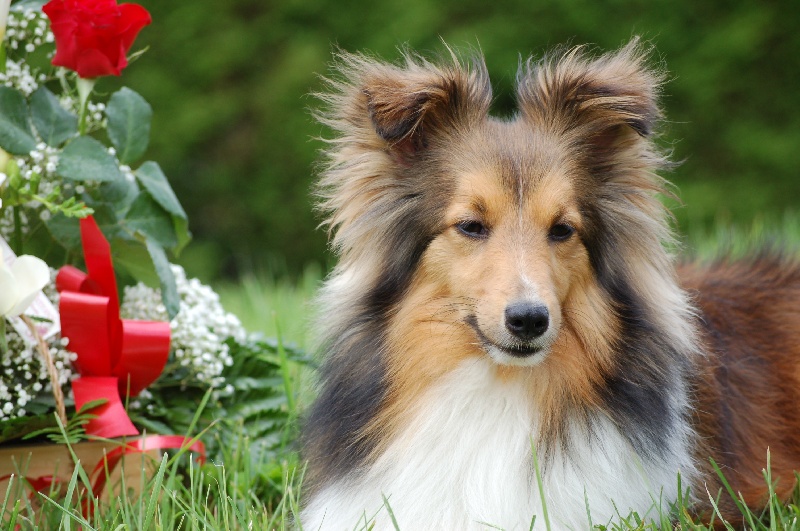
230 82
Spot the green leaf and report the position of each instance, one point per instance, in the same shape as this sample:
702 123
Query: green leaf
129 118
28 5
18 427
169 289
119 195
258 407
248 383
148 218
73 432
66 231
108 221
53 123
155 182
15 131
263 426
133 257
86 159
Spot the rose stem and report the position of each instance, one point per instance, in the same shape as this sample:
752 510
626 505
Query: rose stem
84 90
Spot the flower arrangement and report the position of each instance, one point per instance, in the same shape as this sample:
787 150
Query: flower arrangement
71 165
57 165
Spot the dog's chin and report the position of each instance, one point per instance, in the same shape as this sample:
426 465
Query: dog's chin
516 357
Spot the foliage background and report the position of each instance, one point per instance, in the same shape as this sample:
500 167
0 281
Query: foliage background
230 84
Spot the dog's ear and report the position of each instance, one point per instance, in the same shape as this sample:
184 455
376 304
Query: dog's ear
405 112
603 102
400 109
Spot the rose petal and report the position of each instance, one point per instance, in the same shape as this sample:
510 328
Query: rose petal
135 18
8 289
91 63
31 275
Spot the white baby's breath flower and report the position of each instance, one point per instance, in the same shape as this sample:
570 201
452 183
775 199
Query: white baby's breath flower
18 75
26 27
199 330
127 173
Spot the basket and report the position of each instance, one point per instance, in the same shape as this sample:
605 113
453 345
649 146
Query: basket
48 467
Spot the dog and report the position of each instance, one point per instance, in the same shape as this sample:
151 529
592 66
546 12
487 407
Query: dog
507 331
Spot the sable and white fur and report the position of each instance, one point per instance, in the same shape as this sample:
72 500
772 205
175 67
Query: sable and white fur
619 375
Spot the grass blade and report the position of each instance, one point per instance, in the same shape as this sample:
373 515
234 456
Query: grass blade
155 494
541 486
391 513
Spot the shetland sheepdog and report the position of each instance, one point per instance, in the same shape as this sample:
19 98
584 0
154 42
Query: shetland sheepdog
507 331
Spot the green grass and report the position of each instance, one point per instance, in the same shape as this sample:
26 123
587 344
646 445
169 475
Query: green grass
274 306
723 239
245 488
182 494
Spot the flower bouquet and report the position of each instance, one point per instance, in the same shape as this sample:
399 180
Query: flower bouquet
79 210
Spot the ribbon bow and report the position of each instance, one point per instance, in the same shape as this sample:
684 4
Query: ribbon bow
116 357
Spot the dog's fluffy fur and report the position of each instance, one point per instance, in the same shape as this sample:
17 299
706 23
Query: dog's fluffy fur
435 404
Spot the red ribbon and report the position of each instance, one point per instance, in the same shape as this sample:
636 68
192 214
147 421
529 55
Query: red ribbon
116 357
38 484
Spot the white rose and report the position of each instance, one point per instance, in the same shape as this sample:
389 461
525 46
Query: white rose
4 7
20 283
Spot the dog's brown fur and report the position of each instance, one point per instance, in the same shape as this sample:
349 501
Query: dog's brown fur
748 382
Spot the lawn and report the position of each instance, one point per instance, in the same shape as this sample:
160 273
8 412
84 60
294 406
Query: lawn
252 484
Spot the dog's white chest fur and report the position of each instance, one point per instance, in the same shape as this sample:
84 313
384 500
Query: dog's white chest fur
465 462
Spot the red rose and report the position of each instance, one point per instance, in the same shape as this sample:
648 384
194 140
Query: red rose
93 36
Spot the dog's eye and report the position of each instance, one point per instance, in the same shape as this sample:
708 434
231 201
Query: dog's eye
560 232
473 229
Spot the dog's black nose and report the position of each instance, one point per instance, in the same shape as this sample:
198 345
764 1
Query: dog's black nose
527 320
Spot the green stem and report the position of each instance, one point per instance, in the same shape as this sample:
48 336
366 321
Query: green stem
5 6
3 56
82 121
85 87
17 240
3 342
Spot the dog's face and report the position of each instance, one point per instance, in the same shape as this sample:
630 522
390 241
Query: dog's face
509 252
507 238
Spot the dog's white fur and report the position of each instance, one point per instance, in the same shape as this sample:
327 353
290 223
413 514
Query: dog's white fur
475 433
